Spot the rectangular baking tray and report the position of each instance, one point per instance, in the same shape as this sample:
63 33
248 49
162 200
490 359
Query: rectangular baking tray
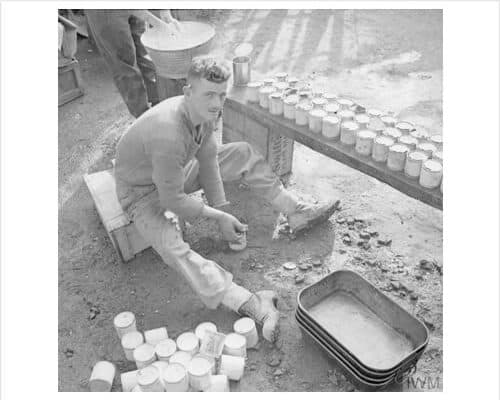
349 372
371 327
402 368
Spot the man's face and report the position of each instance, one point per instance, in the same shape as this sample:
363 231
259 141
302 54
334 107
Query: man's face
207 98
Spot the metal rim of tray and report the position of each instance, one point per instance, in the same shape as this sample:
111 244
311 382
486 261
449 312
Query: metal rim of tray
405 366
350 370
343 347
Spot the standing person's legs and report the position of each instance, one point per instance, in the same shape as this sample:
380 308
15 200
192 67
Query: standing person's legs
111 32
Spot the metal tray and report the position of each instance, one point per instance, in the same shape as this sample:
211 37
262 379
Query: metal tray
402 368
371 327
351 374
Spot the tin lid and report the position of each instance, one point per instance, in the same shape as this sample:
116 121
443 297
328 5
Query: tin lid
331 119
187 341
124 319
403 125
420 133
394 133
292 99
174 373
199 366
350 125
332 108
281 75
132 339
399 148
304 106
144 352
319 101
346 114
345 102
155 334
267 89
367 134
373 112
281 86
148 375
427 147
317 93
255 84
181 357
330 96
437 139
384 140
235 341
433 166
418 156
362 118
160 365
276 95
388 119
203 327
269 81
166 348
408 139
244 325
293 79
317 113
438 155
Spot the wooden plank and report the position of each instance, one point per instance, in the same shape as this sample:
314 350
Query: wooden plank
335 150
69 82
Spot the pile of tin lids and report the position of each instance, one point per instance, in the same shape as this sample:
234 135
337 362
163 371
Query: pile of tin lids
199 360
400 145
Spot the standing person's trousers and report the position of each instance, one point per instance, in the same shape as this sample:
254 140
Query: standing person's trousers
162 231
117 35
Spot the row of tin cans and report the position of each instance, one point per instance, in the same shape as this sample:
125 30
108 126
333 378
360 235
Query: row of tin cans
372 133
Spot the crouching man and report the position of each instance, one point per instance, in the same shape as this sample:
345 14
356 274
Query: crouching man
169 152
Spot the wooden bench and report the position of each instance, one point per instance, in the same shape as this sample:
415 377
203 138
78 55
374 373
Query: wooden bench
123 234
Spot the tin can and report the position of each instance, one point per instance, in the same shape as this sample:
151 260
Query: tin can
144 355
332 108
346 115
160 366
331 127
317 93
364 142
345 104
213 344
393 133
389 121
235 345
241 244
175 378
301 113
438 156
199 372
348 131
211 360
437 140
252 91
148 379
374 113
396 158
128 380
362 120
431 174
293 82
281 86
204 327
101 378
319 102
124 322
218 383
409 141
330 97
269 82
276 103
264 93
232 366
381 147
316 120
404 127
427 148
165 349
181 357
414 162
421 134
188 342
155 336
241 70
281 76
130 341
246 327
289 106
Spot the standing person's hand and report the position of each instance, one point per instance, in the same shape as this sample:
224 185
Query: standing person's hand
167 17
230 227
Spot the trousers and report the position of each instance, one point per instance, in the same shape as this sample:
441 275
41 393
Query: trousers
117 35
160 229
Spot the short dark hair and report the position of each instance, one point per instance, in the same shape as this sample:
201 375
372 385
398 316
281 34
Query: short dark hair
211 68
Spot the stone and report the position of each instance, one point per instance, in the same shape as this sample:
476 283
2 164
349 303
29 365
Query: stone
289 265
413 297
304 267
274 361
364 235
373 233
316 262
299 278
278 372
384 242
371 263
419 277
350 221
340 220
425 265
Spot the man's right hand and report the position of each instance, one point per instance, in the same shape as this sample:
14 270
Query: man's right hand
230 227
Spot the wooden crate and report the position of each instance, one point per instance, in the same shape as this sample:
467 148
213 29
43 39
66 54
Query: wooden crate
276 148
123 234
70 81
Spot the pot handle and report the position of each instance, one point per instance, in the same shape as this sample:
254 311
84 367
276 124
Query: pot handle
405 371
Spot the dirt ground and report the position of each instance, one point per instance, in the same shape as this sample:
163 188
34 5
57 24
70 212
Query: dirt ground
388 59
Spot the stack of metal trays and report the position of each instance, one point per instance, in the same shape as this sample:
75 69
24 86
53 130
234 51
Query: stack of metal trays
373 340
